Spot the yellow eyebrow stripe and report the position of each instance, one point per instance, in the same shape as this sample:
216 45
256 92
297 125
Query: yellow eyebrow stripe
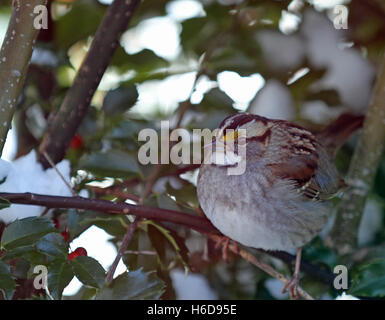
231 135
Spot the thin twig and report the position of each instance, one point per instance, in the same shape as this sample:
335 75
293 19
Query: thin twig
132 228
52 164
141 252
123 246
115 192
261 265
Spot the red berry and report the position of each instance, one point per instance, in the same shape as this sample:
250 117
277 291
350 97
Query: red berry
81 251
77 253
56 223
65 235
77 142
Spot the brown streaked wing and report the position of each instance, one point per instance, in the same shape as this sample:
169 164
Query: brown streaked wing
295 157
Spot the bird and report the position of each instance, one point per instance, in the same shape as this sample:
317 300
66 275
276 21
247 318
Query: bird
281 200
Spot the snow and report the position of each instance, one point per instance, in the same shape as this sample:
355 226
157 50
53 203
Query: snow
44 57
273 101
345 296
160 34
318 111
274 286
192 286
281 51
348 72
181 10
25 174
240 89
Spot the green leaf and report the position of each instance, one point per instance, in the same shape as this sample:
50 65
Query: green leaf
234 59
21 268
164 231
370 280
217 99
165 202
88 271
145 61
72 222
21 251
113 163
60 274
73 26
4 203
211 119
185 196
26 232
7 283
115 226
134 285
129 129
119 100
176 242
53 244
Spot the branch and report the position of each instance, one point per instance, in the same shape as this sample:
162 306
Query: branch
316 272
76 102
362 171
15 54
200 224
114 208
125 242
261 265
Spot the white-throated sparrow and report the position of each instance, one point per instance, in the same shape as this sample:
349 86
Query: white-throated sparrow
279 202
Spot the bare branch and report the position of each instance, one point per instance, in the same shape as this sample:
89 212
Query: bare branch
114 208
76 102
261 265
15 54
362 171
123 246
198 223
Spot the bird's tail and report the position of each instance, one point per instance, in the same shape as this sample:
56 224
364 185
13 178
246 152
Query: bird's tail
339 131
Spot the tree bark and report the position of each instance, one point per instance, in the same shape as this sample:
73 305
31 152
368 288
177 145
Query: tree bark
362 172
76 102
15 55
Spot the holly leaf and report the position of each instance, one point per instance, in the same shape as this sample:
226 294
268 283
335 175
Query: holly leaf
53 245
4 203
119 100
26 232
370 280
185 195
113 163
115 226
174 240
60 274
88 271
145 61
133 285
7 283
68 32
128 129
216 99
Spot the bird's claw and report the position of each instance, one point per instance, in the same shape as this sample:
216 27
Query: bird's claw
292 284
225 243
